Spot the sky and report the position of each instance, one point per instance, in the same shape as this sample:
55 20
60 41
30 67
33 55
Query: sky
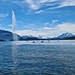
46 18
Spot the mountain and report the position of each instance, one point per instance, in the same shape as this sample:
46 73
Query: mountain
29 37
26 37
71 38
39 37
66 35
7 36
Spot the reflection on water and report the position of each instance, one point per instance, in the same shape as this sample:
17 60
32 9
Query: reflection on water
25 58
14 55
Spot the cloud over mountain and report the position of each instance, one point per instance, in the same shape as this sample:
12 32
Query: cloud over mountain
50 31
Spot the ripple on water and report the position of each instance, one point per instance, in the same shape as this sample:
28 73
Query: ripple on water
36 59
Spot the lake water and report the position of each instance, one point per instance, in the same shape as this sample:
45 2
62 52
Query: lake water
27 58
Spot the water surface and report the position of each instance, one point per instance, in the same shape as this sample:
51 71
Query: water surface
27 58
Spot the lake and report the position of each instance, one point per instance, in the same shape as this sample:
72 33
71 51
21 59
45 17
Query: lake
47 58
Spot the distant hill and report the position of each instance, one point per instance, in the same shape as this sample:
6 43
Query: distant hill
66 35
26 37
73 38
29 37
7 36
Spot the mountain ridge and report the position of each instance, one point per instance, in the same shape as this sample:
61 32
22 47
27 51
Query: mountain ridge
65 35
8 36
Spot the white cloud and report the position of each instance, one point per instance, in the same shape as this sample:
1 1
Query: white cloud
31 32
50 31
37 12
33 4
53 21
61 28
47 28
67 3
3 15
37 4
64 3
43 1
67 27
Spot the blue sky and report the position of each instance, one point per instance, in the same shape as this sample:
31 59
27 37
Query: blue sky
48 18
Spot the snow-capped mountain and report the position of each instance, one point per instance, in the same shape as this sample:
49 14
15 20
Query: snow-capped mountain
30 37
39 37
66 35
8 36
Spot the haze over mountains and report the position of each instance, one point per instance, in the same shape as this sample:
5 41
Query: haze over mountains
8 36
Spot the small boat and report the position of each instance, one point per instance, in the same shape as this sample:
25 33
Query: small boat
33 42
42 41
